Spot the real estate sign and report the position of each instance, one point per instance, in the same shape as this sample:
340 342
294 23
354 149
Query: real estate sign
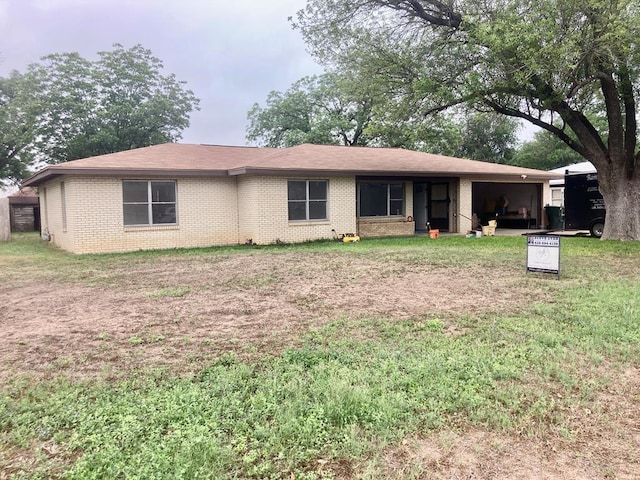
543 254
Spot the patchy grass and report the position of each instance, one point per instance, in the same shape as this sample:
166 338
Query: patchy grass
171 292
351 392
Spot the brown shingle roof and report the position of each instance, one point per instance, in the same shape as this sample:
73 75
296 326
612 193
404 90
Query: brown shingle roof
379 161
213 160
24 196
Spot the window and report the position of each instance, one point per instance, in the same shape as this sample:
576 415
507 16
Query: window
149 202
307 199
380 199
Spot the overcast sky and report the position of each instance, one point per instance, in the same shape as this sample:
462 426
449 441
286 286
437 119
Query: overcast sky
230 53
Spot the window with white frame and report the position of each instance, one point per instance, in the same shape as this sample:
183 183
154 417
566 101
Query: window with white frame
307 199
379 199
149 202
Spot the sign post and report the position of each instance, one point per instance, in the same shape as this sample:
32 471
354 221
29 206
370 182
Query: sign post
543 254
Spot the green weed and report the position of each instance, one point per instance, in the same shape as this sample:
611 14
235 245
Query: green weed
169 292
351 388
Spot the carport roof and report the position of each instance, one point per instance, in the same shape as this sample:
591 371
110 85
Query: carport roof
180 160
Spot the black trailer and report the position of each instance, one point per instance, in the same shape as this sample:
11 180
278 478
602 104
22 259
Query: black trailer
584 207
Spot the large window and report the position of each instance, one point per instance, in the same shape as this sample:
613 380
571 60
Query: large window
149 202
380 199
307 199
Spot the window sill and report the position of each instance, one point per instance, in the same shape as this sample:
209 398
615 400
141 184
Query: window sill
294 223
394 218
150 228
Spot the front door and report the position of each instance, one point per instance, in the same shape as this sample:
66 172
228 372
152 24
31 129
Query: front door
438 205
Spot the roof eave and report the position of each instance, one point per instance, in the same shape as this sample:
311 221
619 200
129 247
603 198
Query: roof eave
389 173
49 173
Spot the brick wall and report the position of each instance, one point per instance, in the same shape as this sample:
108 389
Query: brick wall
464 205
51 205
211 211
206 210
216 211
264 217
385 227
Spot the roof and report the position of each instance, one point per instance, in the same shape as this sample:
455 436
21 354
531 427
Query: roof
176 160
378 161
582 167
24 196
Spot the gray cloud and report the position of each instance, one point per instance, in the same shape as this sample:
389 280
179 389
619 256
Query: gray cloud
231 54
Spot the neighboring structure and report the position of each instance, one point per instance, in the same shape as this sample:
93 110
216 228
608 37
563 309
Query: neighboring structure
557 185
24 208
173 195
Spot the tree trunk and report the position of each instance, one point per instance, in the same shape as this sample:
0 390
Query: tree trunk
622 201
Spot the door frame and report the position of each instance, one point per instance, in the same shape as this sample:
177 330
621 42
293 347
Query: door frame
423 204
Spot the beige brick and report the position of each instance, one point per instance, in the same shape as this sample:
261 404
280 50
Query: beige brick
264 217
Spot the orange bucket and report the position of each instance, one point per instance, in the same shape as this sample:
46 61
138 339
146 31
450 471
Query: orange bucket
434 234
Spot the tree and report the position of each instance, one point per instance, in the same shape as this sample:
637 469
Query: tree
545 152
119 102
488 137
17 124
324 109
548 62
336 110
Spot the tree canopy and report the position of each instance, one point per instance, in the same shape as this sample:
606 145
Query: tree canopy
325 109
17 125
333 109
548 62
545 152
67 107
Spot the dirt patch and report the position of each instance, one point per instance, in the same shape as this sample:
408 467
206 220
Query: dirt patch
180 313
602 442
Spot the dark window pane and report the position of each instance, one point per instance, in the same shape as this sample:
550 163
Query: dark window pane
136 214
163 213
439 191
135 192
163 192
317 210
297 190
373 199
396 191
317 190
395 207
297 211
439 210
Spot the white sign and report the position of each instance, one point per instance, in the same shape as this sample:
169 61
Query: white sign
543 254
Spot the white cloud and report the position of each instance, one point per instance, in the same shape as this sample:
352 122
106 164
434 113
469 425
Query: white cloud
52 5
4 11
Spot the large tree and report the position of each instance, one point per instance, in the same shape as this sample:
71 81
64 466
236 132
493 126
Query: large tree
545 152
334 109
67 107
488 137
545 61
18 107
326 109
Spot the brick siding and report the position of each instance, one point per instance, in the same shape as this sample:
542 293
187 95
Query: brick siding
385 227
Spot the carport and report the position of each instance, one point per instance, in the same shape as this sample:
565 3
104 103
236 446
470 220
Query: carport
523 210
